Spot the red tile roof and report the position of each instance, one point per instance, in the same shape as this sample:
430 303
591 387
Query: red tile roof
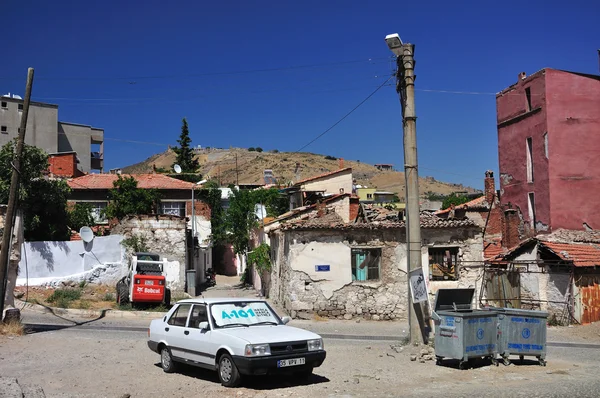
479 203
492 249
145 181
581 255
323 175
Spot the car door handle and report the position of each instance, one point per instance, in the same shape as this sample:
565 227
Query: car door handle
166 329
186 332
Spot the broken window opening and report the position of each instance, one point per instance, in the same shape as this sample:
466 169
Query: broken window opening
443 263
528 95
529 159
365 264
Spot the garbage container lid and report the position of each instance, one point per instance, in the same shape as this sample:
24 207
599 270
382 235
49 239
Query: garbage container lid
447 299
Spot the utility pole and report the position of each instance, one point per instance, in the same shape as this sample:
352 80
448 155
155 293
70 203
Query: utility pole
405 86
237 174
5 249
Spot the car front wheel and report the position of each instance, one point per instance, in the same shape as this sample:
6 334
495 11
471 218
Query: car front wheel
228 372
166 360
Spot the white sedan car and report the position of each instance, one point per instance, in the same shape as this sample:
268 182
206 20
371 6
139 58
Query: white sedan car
235 337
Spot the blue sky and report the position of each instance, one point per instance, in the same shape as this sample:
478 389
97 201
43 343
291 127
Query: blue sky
276 74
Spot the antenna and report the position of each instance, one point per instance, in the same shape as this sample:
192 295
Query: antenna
177 168
86 233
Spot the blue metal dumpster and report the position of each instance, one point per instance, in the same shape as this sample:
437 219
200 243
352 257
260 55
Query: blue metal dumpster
461 332
522 333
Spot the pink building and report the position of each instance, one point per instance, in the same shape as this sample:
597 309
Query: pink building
549 149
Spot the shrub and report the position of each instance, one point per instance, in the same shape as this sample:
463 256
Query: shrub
251 149
109 297
12 328
330 157
63 297
275 151
259 149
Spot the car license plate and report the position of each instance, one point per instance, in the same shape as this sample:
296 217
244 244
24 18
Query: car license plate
149 282
290 362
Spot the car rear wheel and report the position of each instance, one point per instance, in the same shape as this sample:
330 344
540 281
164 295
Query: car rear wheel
228 372
166 360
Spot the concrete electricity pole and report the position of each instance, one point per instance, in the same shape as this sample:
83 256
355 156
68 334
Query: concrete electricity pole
13 195
405 86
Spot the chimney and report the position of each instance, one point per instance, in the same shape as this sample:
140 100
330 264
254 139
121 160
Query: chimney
489 187
321 210
341 162
510 228
522 76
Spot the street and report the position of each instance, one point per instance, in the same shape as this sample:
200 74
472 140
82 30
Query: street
111 359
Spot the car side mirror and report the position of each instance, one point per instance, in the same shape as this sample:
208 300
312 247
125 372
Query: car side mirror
285 320
203 325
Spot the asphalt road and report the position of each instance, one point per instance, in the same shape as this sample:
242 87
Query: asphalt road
111 362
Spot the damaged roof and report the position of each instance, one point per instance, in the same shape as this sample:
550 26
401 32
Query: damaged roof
476 204
303 209
580 254
428 221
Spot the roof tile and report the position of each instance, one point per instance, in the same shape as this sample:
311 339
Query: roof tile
145 181
581 255
328 174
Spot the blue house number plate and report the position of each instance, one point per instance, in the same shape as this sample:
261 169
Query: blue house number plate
321 268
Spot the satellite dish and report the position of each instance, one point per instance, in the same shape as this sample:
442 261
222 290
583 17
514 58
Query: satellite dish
86 233
177 168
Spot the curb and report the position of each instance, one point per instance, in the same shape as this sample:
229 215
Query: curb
106 313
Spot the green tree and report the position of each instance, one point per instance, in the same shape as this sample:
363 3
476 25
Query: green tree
185 155
240 219
455 200
259 149
81 215
127 199
43 201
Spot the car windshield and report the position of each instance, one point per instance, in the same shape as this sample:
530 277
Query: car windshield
243 313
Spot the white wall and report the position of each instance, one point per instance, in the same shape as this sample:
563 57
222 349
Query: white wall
304 258
43 262
331 184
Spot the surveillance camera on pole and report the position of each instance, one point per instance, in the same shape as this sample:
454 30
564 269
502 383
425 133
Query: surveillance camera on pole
394 42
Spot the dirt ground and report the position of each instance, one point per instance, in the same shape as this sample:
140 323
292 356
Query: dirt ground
83 363
93 296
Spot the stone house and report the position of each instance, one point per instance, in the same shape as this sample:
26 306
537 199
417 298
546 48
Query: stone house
326 266
175 200
557 273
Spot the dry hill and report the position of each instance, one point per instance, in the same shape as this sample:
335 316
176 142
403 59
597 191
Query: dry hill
221 164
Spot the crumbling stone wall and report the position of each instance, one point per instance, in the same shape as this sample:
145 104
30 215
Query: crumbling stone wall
303 293
165 235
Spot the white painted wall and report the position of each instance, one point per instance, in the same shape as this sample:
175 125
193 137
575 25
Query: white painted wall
331 184
304 258
43 262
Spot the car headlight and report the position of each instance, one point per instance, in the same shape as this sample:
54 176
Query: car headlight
315 345
256 350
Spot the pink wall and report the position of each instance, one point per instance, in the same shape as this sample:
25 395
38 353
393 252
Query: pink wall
515 125
567 182
573 103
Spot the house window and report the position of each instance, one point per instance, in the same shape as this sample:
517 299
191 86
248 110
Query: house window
531 208
369 196
20 107
443 263
365 264
173 208
4 105
98 211
528 95
529 160
4 129
546 145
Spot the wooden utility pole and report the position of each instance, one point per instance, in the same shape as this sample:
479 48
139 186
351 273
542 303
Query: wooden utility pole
237 173
405 85
13 195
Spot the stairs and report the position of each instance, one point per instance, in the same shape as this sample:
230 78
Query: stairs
10 388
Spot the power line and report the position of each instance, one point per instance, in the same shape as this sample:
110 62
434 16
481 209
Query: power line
176 76
347 114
